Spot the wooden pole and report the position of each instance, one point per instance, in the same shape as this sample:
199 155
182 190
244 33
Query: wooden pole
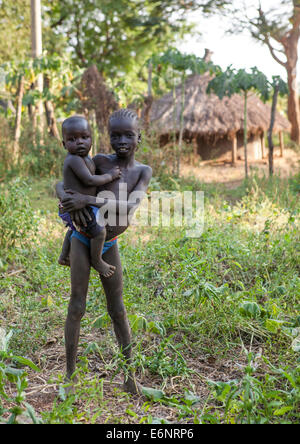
270 131
245 135
195 151
263 145
234 149
281 143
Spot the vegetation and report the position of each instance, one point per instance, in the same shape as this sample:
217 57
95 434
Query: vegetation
215 320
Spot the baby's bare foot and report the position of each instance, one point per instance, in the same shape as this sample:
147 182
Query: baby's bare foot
64 261
104 269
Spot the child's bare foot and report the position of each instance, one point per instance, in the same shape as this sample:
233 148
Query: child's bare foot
104 269
69 386
132 386
64 261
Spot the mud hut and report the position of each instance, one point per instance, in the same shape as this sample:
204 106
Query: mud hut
215 126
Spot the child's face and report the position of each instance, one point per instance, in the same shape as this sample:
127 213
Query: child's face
77 138
124 136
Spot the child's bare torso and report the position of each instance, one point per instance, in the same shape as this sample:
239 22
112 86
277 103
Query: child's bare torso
72 181
122 187
130 175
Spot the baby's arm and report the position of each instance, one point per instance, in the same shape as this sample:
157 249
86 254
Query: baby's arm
73 201
134 199
80 169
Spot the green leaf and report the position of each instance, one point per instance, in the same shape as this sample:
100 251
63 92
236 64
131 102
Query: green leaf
27 362
250 309
152 393
4 339
273 325
31 412
137 322
102 321
282 411
156 327
296 344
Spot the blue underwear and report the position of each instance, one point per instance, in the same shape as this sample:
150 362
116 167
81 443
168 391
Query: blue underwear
86 241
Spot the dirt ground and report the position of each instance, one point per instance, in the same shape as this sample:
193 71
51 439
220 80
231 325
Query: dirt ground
43 387
222 171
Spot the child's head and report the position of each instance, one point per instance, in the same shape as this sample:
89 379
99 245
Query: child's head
77 135
124 132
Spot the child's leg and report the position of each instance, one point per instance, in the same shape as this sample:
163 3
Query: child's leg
97 262
64 258
113 288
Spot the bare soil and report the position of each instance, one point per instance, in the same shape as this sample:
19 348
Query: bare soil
222 171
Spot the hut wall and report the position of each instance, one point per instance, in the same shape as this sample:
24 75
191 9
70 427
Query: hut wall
209 149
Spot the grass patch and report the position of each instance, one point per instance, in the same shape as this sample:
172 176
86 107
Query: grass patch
215 320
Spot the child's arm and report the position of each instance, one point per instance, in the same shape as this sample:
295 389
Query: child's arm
82 214
135 197
72 200
81 171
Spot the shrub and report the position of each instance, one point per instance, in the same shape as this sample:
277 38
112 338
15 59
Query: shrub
17 219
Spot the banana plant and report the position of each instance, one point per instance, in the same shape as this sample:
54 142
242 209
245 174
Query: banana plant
174 67
231 81
278 88
19 78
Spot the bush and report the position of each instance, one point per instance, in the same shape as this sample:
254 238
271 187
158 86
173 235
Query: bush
17 219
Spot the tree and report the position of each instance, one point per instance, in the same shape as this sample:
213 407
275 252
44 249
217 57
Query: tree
120 36
14 30
279 29
230 81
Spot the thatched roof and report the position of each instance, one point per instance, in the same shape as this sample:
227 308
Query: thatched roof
206 115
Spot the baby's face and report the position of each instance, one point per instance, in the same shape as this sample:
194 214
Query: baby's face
77 138
124 136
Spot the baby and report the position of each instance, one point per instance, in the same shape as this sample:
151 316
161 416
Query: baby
79 175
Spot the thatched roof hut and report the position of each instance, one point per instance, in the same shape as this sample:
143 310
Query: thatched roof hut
216 125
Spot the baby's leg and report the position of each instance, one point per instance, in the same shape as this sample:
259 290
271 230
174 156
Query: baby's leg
64 258
97 262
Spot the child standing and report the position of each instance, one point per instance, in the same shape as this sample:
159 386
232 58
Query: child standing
79 175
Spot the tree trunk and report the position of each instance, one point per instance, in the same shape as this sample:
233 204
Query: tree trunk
293 103
36 46
270 131
289 41
148 99
51 120
18 119
245 135
50 115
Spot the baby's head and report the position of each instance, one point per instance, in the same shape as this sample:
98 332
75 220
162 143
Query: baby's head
124 132
77 135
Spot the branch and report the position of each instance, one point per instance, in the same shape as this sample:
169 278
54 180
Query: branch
59 22
272 51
